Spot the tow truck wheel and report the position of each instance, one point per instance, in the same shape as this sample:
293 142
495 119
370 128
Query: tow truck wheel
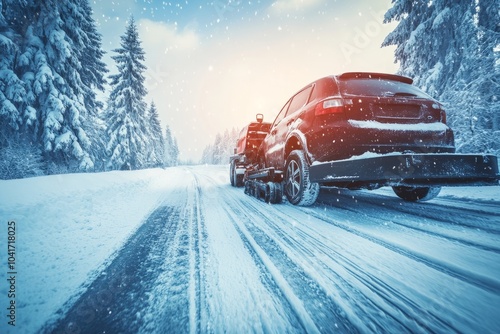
414 194
299 190
236 179
274 193
232 171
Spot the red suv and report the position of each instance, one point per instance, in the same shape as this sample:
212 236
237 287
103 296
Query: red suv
342 116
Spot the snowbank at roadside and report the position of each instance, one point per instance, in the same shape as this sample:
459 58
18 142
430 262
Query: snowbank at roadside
67 228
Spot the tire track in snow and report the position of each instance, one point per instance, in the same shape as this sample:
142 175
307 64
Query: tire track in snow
317 311
377 303
370 299
464 215
464 273
324 310
460 240
445 229
242 294
370 307
478 280
112 301
198 306
154 284
177 302
271 271
440 321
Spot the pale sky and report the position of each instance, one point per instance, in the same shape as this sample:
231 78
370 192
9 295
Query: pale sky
213 65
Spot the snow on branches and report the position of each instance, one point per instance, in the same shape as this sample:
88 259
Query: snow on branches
451 50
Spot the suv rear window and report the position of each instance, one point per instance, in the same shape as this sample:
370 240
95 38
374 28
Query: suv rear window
379 87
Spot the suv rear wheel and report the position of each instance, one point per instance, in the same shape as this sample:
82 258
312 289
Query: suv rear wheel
413 194
299 190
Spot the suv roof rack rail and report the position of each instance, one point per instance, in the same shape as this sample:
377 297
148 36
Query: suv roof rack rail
366 75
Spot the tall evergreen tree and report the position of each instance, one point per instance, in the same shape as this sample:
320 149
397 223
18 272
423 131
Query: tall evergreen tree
127 126
157 147
218 149
58 88
55 111
19 157
55 43
175 151
92 74
450 48
12 89
171 149
93 68
427 45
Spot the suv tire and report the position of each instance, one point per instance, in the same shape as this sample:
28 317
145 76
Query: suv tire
414 194
299 190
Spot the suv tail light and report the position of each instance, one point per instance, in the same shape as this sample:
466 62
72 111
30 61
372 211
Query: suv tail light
329 106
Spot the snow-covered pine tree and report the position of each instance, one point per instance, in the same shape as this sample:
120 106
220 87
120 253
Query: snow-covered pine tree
157 150
448 47
171 150
12 89
90 53
168 159
219 152
207 155
128 143
52 99
426 41
27 15
51 61
175 151
230 144
218 149
474 103
19 157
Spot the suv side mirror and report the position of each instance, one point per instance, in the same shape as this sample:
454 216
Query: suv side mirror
259 118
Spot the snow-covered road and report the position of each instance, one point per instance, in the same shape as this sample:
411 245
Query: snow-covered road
207 258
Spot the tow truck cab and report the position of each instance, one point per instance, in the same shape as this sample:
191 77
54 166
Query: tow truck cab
247 149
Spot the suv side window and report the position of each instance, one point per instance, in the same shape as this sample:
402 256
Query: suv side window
282 114
299 100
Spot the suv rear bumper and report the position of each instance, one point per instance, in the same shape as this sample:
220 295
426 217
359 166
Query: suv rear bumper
408 170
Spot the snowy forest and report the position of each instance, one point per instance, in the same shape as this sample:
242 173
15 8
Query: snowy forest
51 73
452 51
52 119
218 152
